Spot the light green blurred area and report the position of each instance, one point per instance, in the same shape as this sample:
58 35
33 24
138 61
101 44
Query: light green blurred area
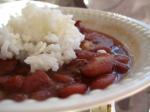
2 1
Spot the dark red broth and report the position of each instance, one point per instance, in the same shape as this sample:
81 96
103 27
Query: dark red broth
92 69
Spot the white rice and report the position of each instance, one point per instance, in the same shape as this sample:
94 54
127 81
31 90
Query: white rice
44 38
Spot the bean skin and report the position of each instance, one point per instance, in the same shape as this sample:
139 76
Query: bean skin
72 89
41 95
14 83
18 97
98 66
84 54
122 58
103 81
35 81
121 67
64 78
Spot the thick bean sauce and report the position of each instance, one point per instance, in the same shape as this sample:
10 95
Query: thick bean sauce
101 61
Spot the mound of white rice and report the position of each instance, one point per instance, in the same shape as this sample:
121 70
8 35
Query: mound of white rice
44 38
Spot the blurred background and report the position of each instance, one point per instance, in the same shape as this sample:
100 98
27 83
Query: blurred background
138 9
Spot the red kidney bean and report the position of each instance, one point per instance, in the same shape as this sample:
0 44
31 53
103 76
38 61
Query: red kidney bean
76 63
72 89
103 81
38 80
121 67
41 95
98 66
2 95
18 97
122 58
3 80
84 54
14 83
57 87
7 66
64 78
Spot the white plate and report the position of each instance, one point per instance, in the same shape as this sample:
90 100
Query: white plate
133 34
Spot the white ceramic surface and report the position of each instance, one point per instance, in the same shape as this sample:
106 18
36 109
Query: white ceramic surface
133 34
